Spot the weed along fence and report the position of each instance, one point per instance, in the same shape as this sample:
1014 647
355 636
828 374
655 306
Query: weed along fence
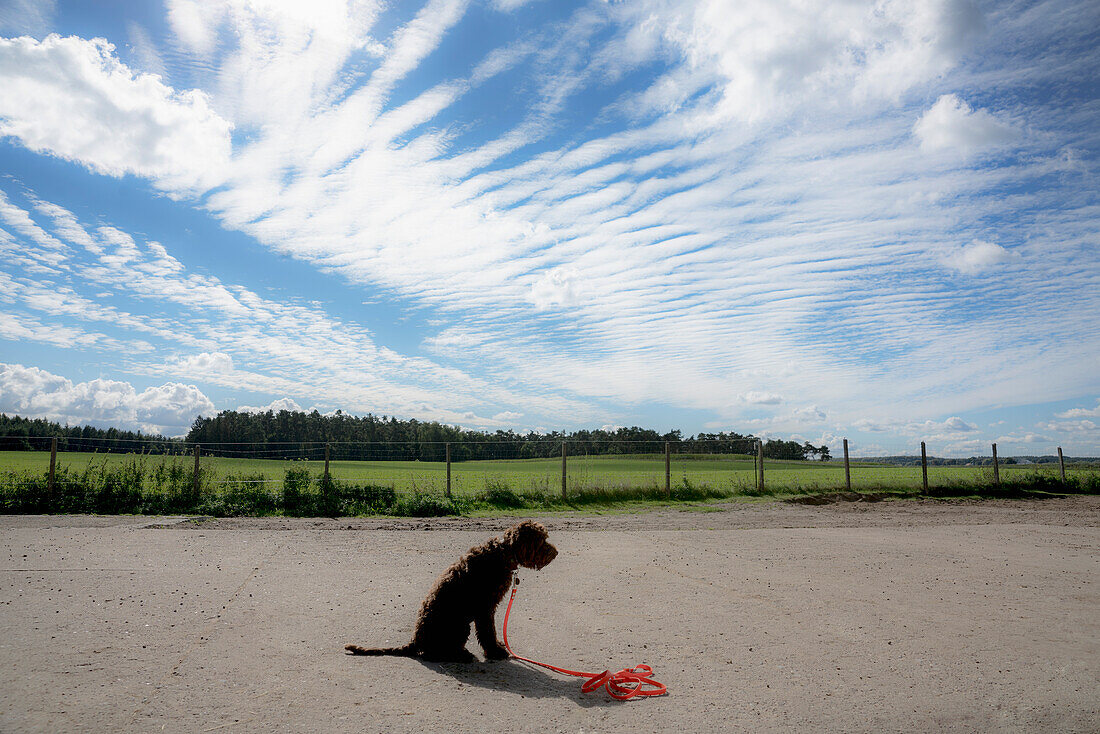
551 467
431 478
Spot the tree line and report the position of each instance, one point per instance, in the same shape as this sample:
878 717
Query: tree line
295 434
19 434
372 437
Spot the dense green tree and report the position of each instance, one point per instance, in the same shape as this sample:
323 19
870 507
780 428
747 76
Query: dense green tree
296 434
23 434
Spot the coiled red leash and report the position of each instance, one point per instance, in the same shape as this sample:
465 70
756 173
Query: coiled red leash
627 683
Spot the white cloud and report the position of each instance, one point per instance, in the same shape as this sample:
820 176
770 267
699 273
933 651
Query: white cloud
296 349
928 429
976 257
1070 426
768 56
73 98
20 222
1016 439
951 125
1073 413
195 23
65 224
274 406
204 363
955 423
556 287
761 398
281 61
455 340
145 51
18 383
865 424
810 414
23 327
26 17
169 408
508 6
166 406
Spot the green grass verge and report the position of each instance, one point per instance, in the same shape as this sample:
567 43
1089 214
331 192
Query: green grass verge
469 478
111 484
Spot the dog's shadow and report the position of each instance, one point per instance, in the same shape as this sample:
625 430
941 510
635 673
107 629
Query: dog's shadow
523 679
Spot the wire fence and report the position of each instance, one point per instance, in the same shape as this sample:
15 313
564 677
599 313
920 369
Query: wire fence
550 465
414 450
421 465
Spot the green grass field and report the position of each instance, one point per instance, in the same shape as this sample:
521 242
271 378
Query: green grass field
728 472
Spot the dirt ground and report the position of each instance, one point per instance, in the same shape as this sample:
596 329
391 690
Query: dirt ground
890 616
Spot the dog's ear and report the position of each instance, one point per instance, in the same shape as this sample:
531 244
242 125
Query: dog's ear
526 531
537 528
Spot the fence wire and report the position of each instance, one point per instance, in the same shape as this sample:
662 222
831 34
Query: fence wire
536 465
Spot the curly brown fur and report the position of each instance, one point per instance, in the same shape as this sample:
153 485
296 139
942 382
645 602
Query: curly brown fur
470 591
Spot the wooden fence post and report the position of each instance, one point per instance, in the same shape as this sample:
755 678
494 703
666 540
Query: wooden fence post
755 465
1062 464
448 469
847 468
563 474
53 467
924 466
760 465
195 477
668 471
996 468
326 462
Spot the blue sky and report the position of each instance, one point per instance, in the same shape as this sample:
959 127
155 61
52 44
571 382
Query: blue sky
872 220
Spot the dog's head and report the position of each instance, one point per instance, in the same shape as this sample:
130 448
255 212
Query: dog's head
529 544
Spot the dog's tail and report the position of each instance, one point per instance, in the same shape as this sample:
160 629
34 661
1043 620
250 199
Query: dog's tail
406 651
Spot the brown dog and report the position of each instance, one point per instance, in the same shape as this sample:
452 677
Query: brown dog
469 591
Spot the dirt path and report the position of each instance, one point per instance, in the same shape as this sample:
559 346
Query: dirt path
892 616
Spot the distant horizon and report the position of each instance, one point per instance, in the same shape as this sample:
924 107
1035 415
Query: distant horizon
684 438
869 220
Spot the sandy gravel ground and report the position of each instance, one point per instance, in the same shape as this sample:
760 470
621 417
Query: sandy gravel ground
892 616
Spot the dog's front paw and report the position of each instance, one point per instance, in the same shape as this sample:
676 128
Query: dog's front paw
497 653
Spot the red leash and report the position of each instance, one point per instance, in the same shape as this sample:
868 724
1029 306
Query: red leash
627 683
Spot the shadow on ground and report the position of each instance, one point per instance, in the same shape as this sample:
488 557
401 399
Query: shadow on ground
523 679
